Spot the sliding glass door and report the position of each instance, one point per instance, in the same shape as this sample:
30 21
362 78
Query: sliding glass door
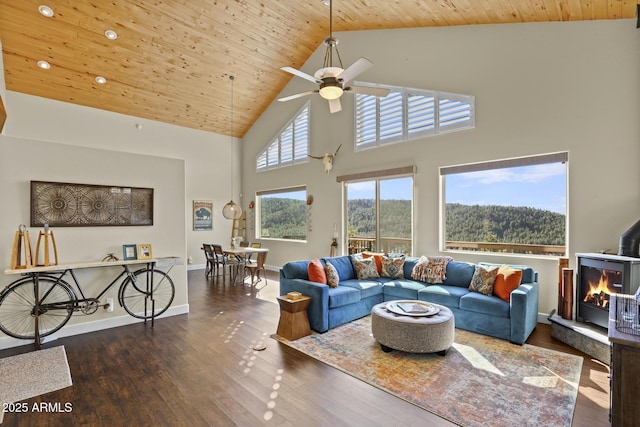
379 215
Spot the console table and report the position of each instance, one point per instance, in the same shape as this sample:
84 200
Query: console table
625 371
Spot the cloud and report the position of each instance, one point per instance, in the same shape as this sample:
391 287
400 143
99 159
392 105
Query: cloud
529 174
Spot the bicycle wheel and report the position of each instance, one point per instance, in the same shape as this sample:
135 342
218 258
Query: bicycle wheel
135 296
17 307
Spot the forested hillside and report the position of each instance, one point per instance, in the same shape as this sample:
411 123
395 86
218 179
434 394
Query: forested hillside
504 224
284 218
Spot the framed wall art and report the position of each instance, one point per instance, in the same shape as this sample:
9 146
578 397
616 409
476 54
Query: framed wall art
202 215
80 205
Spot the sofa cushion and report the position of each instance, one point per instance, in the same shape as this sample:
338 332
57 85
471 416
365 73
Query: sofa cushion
296 270
401 289
377 257
459 274
343 266
442 294
529 275
431 269
332 275
483 279
392 267
365 268
507 280
480 303
343 295
367 288
316 273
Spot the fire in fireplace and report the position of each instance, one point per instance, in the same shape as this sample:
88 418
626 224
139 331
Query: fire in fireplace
599 285
599 276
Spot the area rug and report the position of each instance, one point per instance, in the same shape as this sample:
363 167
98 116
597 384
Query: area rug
482 381
31 374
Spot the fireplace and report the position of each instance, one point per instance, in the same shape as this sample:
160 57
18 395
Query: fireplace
599 276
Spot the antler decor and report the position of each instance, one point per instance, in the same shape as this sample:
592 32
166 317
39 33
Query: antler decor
327 159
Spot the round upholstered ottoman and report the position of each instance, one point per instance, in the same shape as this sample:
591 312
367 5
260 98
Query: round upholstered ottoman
413 333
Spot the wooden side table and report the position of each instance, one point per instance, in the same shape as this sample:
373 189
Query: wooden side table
294 322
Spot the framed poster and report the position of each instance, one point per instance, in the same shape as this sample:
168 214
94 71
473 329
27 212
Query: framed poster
202 215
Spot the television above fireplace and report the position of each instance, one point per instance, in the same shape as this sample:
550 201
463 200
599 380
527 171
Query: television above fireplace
599 276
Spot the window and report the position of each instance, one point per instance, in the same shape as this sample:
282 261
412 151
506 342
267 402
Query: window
407 114
379 212
513 206
290 146
282 214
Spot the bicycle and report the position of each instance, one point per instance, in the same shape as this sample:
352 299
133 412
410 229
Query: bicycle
40 303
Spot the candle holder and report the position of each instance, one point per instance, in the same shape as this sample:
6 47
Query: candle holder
21 246
46 239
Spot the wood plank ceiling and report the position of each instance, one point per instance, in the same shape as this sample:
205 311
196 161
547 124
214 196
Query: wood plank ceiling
172 59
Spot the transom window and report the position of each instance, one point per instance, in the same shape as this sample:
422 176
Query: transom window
290 146
407 114
507 206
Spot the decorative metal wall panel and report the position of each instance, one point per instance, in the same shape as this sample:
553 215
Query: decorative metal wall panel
81 205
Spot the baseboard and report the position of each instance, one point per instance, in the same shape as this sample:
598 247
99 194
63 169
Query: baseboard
196 267
544 318
97 325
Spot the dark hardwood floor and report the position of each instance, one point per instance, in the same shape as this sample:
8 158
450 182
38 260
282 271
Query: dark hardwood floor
200 369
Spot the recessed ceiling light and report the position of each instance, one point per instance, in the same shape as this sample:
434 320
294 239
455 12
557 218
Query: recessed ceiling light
101 80
45 11
111 35
44 65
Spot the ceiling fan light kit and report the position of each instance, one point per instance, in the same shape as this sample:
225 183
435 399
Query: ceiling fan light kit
332 80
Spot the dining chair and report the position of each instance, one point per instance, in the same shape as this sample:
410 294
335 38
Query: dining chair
224 261
256 267
253 245
211 259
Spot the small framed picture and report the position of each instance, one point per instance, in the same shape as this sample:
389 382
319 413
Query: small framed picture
144 251
202 215
129 252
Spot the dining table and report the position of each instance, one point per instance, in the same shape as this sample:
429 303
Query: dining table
242 255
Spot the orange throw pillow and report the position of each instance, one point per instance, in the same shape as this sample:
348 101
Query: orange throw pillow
376 257
507 280
316 272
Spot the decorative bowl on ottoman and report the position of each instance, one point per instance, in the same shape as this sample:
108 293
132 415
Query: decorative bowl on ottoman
421 328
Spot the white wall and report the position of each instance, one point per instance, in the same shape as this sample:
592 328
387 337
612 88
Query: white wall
539 88
55 141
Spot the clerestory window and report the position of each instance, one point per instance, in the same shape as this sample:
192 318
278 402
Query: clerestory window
407 114
289 146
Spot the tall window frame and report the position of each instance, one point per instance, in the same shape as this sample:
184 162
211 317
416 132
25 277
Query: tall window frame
290 146
295 209
380 241
407 114
532 188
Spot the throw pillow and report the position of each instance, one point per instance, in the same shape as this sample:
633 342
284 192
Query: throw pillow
392 267
316 272
431 269
483 279
507 280
332 275
365 268
377 257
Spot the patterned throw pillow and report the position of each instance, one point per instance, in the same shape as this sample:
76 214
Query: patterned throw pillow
392 267
365 268
431 269
332 275
483 279
377 257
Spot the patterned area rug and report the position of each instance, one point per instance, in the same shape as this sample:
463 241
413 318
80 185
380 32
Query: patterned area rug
482 381
31 374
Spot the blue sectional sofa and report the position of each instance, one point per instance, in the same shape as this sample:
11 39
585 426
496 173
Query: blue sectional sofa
473 311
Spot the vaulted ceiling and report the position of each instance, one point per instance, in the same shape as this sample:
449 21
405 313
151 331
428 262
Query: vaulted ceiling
172 59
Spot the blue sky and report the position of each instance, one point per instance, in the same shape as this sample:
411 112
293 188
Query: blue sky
540 186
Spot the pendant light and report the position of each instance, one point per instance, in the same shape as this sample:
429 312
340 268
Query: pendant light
231 210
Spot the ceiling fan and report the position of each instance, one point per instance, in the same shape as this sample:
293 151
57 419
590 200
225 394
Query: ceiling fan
333 80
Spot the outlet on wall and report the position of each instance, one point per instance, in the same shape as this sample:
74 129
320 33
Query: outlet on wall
109 306
190 260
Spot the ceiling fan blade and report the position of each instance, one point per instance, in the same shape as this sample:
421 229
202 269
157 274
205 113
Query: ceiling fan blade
366 90
298 95
335 105
300 74
360 66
